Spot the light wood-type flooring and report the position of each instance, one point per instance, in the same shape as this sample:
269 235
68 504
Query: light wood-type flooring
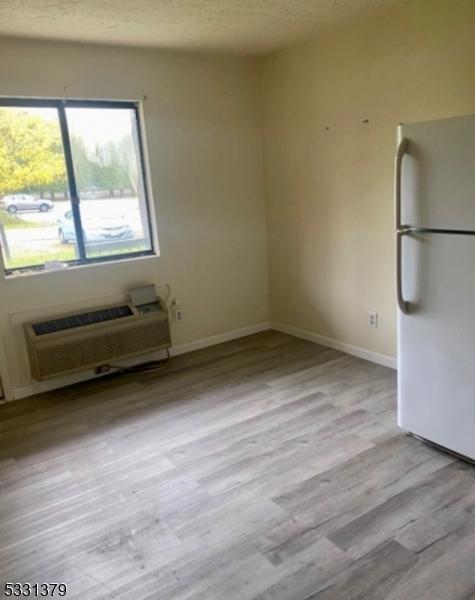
267 468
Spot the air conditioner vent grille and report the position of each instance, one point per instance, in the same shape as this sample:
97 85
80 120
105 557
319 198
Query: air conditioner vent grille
68 355
87 318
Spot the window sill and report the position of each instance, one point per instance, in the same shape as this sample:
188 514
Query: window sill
74 268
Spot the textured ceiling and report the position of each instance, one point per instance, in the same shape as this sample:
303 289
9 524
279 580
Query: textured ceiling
235 26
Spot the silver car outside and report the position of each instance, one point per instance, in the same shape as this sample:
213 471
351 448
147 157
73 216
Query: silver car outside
14 203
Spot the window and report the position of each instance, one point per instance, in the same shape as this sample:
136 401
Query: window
72 183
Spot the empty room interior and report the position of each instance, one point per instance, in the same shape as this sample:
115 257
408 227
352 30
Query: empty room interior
237 299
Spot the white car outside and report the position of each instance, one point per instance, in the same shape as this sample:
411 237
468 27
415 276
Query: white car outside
16 202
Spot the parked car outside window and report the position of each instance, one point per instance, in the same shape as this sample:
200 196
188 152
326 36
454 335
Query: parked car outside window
96 229
16 202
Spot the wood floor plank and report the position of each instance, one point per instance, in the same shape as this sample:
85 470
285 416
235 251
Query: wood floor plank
306 570
372 577
452 575
332 499
447 485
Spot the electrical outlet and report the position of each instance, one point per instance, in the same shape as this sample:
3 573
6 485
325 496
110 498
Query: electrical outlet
372 319
177 309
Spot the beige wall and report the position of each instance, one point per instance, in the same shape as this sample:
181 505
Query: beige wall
202 119
329 173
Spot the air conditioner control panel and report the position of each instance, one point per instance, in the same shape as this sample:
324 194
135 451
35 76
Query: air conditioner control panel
150 307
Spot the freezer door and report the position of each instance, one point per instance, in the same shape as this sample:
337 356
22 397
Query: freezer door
436 353
438 174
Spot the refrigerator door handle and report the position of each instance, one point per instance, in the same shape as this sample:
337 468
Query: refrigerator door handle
401 150
403 304
401 230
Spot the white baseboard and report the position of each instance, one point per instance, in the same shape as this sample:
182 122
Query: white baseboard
37 387
380 359
219 339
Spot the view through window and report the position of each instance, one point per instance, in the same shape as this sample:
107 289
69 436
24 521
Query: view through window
72 184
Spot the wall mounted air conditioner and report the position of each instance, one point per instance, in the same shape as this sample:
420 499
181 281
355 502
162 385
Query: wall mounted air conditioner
70 343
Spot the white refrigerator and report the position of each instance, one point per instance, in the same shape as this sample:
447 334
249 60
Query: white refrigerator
435 248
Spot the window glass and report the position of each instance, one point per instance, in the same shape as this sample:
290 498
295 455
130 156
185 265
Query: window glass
72 186
108 171
33 188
